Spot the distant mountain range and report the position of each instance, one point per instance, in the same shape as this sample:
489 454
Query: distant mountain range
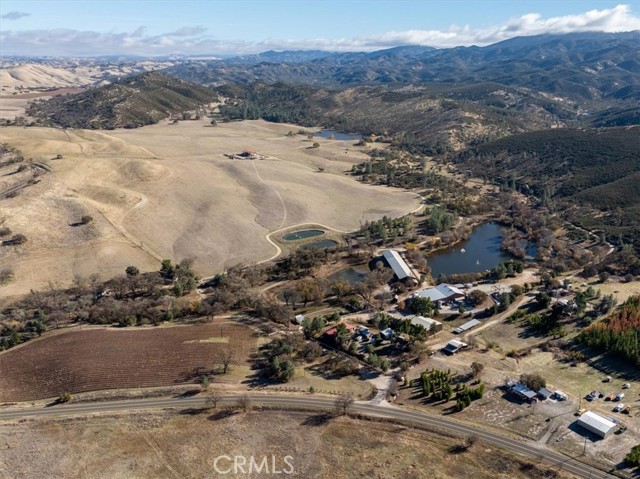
580 66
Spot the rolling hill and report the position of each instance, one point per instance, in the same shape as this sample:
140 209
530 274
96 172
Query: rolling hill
131 102
430 118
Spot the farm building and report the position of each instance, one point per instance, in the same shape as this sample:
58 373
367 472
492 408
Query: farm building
442 292
454 346
466 326
427 323
523 392
544 394
596 424
399 266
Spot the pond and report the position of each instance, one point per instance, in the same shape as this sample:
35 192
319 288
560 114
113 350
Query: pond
298 235
322 244
349 275
478 253
338 135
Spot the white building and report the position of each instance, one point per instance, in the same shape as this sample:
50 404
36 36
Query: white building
399 266
427 323
442 292
596 424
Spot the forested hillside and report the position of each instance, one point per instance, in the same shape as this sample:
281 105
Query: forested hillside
589 167
619 334
132 102
430 118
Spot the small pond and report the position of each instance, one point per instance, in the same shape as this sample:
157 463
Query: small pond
338 135
322 244
480 252
298 235
349 275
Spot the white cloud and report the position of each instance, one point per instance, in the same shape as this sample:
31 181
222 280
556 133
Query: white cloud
14 15
195 40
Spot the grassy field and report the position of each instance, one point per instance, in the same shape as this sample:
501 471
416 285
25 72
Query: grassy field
167 191
173 445
98 358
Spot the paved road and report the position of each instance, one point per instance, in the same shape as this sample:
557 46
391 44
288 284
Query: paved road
413 418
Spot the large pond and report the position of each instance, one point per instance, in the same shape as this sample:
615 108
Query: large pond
478 253
338 135
298 235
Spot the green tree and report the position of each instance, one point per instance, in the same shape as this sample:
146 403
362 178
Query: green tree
132 271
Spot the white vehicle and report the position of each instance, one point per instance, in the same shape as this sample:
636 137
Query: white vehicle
618 408
626 386
607 379
619 397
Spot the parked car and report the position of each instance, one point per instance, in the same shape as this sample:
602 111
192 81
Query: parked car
619 397
618 408
626 386
607 379
580 412
621 429
610 397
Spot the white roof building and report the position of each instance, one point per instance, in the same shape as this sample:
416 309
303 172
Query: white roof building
442 292
398 265
596 424
427 323
466 326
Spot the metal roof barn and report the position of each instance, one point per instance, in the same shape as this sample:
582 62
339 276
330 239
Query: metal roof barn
398 265
596 424
466 326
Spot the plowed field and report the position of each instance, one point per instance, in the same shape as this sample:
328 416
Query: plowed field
95 359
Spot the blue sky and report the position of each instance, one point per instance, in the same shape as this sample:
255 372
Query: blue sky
226 27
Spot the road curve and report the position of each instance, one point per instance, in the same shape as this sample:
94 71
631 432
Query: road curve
408 417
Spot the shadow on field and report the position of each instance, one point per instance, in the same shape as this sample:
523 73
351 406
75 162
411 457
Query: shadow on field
222 414
317 419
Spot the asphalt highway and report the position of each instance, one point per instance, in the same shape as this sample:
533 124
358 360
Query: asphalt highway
405 416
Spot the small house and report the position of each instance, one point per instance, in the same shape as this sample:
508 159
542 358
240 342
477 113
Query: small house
334 330
427 323
386 333
299 318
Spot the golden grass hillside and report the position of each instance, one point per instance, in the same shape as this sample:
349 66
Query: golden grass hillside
167 191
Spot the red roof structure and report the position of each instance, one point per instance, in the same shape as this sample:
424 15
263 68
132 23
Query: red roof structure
334 330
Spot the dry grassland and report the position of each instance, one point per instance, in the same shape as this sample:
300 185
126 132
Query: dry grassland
170 445
167 191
